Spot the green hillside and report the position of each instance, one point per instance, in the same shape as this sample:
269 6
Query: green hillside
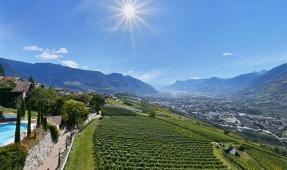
167 141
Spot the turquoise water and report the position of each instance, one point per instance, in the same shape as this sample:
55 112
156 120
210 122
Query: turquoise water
7 131
8 115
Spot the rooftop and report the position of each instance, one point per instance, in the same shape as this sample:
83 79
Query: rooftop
22 87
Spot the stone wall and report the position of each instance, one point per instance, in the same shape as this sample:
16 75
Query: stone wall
38 153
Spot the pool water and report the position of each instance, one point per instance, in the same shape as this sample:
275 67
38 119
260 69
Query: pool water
7 132
8 115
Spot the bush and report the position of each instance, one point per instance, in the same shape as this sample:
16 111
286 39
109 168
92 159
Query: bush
54 133
242 148
226 132
117 111
151 113
12 157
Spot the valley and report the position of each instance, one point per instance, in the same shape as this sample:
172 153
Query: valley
233 115
170 141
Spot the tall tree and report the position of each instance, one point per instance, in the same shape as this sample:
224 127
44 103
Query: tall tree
17 130
1 71
31 80
22 108
29 119
75 113
97 101
39 119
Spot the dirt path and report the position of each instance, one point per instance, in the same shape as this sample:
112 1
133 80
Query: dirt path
51 162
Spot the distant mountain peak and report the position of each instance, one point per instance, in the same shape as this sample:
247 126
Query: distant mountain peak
269 81
65 77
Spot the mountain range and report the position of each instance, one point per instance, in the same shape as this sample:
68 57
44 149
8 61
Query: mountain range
273 81
76 79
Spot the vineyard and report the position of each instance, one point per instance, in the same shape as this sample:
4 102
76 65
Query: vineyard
267 159
138 142
127 139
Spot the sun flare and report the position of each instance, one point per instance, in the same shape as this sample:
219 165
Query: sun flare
129 11
129 14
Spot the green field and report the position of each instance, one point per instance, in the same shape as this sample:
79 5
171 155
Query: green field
127 140
81 156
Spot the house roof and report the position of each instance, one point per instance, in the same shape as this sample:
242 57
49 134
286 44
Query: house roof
56 120
8 78
22 87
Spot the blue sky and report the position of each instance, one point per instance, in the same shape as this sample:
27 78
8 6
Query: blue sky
184 38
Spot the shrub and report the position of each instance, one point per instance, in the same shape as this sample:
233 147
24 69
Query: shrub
226 132
12 157
151 113
54 133
242 148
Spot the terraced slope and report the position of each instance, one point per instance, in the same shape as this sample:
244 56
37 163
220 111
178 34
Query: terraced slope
139 142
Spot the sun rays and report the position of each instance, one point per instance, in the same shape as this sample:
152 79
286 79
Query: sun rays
129 15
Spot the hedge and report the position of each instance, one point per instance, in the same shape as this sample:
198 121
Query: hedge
54 133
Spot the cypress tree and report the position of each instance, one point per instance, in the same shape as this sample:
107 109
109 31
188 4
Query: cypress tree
39 119
29 119
1 71
44 122
17 131
32 81
22 108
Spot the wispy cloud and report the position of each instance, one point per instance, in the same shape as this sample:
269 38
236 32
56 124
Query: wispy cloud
62 51
195 78
70 63
227 54
48 56
33 48
46 53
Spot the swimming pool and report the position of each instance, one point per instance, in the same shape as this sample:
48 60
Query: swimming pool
7 132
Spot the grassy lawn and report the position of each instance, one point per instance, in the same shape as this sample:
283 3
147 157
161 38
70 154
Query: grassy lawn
81 156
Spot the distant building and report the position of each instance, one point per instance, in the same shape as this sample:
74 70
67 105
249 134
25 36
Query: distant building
232 151
13 79
37 84
23 88
55 120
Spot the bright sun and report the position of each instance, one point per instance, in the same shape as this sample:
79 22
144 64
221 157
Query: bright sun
129 14
129 11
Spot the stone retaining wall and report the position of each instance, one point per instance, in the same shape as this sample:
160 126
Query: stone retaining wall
38 153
